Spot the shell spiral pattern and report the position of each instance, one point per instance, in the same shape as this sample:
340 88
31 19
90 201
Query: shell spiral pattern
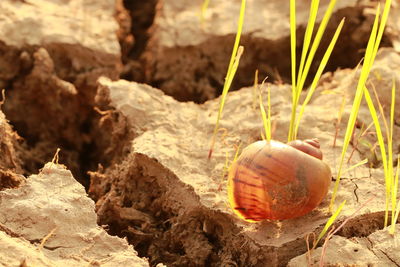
277 181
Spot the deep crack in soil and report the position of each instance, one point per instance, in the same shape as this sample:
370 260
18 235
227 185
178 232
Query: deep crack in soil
50 103
134 200
201 69
363 225
135 18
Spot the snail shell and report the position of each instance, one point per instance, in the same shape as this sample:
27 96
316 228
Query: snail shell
277 181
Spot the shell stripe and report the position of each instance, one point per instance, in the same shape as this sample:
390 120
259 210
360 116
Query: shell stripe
237 180
268 176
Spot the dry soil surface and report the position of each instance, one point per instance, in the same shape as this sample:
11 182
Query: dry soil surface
129 92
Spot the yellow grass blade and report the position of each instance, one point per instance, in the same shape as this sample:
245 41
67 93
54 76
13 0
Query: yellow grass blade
388 170
355 166
334 231
394 186
317 41
237 38
293 42
379 135
382 113
317 76
266 117
387 164
357 101
395 209
269 113
293 61
306 56
307 37
204 7
329 223
233 65
228 83
237 152
396 217
255 89
382 25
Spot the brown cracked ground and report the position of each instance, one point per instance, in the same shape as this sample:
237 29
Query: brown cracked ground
141 155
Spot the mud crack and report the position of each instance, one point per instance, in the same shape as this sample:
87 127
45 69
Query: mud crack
389 258
355 189
8 231
161 217
137 18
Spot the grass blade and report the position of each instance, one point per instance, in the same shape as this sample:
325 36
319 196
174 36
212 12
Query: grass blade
369 58
382 25
293 61
317 41
255 89
307 37
390 149
394 186
233 64
266 118
396 217
306 56
382 148
237 38
395 209
204 7
355 165
293 42
317 76
330 222
334 231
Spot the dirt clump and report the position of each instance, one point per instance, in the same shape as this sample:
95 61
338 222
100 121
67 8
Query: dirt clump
10 161
50 221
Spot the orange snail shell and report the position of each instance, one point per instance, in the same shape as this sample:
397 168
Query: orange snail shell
277 181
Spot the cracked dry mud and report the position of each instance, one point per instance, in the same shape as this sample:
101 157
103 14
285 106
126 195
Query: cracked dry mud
132 185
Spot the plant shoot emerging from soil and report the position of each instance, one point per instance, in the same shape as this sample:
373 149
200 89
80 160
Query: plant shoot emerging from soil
233 65
391 177
204 7
307 56
266 115
370 54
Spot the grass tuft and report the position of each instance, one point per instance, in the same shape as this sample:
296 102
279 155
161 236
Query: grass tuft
317 76
370 54
307 56
391 178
